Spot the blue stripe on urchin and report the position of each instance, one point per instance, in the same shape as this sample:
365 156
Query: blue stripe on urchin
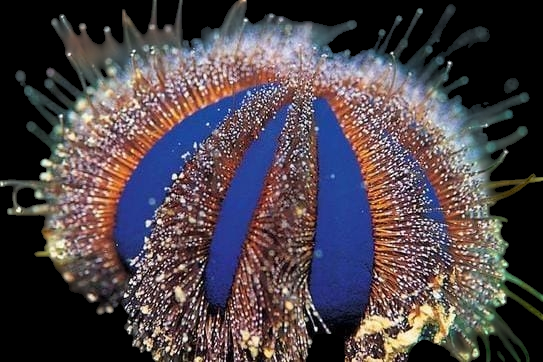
341 272
237 211
146 188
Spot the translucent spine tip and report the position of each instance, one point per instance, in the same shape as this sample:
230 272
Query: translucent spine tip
404 42
420 56
18 185
384 46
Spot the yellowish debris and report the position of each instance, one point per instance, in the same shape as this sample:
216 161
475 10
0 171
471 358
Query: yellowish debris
420 317
180 295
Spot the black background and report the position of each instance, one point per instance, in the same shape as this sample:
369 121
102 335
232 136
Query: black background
43 320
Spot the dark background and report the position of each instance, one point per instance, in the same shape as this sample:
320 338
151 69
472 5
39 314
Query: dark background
43 320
